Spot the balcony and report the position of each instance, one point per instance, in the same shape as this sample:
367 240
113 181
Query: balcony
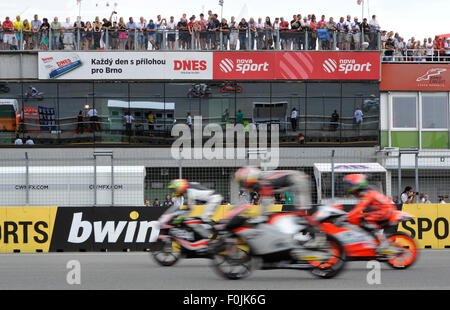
176 40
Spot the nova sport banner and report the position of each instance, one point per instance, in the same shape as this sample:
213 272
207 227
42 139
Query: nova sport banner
210 65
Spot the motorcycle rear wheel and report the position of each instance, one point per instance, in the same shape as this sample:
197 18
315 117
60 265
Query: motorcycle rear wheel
169 254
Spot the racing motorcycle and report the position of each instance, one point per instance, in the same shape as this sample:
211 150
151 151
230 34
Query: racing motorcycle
177 238
272 243
360 245
200 90
33 95
230 87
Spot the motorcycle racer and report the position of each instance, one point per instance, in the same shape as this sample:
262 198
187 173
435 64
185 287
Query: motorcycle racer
195 193
380 208
269 183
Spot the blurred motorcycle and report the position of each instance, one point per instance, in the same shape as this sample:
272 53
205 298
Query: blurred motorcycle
360 245
276 243
177 238
200 90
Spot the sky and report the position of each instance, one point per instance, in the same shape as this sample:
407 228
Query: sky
418 18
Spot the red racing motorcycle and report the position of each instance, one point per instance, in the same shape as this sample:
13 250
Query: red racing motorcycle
359 245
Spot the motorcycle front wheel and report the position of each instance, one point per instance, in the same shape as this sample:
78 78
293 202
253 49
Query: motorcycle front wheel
407 250
232 260
168 254
332 266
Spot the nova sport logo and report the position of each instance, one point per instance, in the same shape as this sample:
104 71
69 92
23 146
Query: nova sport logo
345 65
227 65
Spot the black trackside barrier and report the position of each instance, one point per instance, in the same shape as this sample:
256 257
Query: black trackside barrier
104 229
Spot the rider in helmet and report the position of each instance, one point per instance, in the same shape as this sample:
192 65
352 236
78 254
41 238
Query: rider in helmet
32 91
380 206
196 193
269 183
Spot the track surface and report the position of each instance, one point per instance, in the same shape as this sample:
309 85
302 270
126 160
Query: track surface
138 271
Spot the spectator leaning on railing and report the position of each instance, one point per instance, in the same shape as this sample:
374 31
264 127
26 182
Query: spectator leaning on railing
300 33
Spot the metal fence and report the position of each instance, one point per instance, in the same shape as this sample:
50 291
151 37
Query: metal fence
174 39
105 179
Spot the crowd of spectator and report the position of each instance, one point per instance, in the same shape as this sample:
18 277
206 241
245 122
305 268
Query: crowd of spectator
397 49
203 32
213 33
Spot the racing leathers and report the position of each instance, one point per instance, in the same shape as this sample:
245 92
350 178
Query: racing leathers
380 209
281 181
199 194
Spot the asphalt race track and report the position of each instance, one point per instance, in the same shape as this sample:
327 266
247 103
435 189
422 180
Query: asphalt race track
137 271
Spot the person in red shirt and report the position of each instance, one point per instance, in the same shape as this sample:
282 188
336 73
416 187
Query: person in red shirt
8 36
380 208
283 28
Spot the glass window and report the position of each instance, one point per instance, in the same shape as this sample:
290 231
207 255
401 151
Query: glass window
404 112
360 89
147 90
434 112
117 89
10 90
72 90
323 89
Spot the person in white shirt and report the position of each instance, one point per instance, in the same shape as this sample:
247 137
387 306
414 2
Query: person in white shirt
294 119
189 120
68 38
259 34
171 26
425 199
141 25
93 118
429 46
18 141
374 29
348 32
29 141
128 123
447 49
441 199
408 196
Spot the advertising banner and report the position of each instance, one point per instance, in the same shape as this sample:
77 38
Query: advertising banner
105 228
209 65
415 77
125 66
296 65
430 227
26 229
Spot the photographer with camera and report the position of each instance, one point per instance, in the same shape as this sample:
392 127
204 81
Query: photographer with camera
408 196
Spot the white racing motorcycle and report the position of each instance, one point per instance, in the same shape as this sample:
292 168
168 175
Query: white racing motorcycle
277 243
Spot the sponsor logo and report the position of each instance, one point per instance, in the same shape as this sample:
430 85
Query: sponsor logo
329 65
189 65
24 232
110 231
345 65
434 72
243 66
432 78
351 167
226 65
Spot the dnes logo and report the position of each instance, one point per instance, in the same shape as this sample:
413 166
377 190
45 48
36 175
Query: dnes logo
111 231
